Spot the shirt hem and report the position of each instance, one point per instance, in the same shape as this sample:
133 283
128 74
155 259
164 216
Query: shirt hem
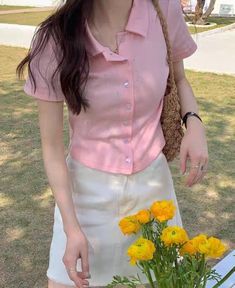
137 167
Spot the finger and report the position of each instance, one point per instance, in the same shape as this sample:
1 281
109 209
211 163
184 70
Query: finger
202 166
73 275
192 172
83 275
183 160
85 282
199 175
70 265
205 167
85 262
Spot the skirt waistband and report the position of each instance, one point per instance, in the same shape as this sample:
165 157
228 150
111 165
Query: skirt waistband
74 164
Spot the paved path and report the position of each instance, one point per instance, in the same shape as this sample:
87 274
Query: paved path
215 53
26 10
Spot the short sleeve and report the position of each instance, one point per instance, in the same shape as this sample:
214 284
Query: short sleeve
182 42
43 65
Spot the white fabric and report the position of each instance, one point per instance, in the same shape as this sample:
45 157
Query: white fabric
101 200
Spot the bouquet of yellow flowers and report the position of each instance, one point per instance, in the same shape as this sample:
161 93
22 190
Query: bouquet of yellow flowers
167 252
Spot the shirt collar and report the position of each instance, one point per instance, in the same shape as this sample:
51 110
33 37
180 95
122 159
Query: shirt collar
139 19
137 23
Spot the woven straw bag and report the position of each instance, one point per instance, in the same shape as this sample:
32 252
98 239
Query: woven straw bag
170 117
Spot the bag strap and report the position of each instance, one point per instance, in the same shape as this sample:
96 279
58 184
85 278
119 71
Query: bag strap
167 40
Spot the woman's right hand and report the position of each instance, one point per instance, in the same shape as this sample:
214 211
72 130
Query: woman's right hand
77 247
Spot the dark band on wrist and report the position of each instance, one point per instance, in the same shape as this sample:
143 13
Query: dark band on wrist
188 114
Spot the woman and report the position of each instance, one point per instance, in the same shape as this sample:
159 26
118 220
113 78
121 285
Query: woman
111 60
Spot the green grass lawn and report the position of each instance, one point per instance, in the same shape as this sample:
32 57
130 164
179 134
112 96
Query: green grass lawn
221 22
27 18
6 7
26 201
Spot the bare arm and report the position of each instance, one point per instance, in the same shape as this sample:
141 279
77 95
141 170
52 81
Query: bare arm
194 144
51 130
187 99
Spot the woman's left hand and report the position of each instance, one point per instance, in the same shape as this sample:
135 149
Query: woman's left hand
194 147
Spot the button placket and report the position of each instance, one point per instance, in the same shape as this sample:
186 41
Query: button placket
128 117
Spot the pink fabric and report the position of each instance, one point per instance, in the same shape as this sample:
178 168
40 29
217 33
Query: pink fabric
121 131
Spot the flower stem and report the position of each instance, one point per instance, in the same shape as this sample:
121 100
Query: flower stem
218 284
201 271
155 272
148 274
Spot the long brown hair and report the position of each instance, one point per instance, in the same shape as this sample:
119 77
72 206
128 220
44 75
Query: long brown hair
66 26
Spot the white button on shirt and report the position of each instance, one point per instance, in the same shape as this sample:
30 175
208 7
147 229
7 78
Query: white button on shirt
128 160
126 84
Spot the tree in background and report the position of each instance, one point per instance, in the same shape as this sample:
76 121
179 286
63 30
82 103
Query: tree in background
200 17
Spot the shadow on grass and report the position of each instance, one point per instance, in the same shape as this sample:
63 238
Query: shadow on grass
27 203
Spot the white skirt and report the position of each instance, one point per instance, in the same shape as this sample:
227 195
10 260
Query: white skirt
101 199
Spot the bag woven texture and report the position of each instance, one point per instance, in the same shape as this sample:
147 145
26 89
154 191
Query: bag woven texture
171 116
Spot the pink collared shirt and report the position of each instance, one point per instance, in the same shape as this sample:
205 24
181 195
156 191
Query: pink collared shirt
121 131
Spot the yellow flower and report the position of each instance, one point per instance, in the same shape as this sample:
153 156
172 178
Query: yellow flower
199 242
129 224
143 216
195 245
141 249
174 235
213 248
189 248
163 210
210 247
